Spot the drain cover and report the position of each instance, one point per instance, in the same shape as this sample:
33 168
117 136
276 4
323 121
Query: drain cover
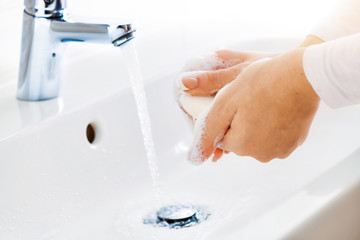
177 216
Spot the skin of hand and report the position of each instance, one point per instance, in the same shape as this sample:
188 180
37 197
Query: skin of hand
266 112
211 82
233 62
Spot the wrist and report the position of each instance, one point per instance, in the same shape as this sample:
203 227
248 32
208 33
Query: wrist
302 85
311 40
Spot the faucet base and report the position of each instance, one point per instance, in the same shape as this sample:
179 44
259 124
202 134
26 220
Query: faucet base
43 44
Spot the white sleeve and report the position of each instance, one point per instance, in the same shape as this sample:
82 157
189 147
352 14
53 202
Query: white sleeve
344 21
333 70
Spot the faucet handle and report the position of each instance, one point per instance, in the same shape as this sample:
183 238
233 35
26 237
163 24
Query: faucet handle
45 8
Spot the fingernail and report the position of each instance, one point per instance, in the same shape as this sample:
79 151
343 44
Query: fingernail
190 82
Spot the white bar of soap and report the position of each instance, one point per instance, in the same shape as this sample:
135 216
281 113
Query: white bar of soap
194 105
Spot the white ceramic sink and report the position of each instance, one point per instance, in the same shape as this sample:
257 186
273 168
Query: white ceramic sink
56 185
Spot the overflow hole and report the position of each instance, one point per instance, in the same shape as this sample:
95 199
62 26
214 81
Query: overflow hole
90 133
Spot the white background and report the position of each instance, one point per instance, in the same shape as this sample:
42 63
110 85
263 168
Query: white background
196 21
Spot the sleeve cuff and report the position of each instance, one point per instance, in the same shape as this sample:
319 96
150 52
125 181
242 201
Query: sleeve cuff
332 70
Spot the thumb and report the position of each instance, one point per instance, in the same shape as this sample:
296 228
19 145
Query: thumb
210 82
210 127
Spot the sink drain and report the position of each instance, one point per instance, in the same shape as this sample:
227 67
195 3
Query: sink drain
177 216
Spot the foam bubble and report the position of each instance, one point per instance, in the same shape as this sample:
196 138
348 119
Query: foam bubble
194 67
196 154
207 62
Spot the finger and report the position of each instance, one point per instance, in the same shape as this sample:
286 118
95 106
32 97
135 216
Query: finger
214 61
190 117
208 62
217 154
211 126
191 80
232 142
231 58
208 83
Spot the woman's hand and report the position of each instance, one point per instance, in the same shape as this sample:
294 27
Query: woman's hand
266 112
228 66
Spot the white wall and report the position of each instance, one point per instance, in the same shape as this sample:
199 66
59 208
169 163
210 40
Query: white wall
190 19
277 17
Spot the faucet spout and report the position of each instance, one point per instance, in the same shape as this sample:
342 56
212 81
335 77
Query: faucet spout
96 30
46 30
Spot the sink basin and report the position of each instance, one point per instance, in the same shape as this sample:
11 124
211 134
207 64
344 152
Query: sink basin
60 181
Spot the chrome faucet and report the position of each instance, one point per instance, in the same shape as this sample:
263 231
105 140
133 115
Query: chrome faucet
47 28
